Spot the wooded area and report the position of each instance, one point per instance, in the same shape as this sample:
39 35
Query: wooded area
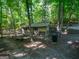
15 12
34 25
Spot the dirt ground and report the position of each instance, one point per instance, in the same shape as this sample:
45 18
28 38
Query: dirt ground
43 49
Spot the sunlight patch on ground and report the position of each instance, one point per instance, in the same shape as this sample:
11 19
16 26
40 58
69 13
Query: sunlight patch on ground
47 57
19 54
35 45
74 44
54 58
69 42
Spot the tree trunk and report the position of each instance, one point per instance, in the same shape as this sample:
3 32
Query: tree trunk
1 19
60 18
29 13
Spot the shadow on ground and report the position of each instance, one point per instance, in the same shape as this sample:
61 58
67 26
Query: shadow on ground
40 49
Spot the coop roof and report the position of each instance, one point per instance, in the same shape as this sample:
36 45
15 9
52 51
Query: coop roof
38 25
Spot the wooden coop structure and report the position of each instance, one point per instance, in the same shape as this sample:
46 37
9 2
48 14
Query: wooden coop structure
37 29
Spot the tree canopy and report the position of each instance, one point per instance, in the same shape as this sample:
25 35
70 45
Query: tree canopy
13 13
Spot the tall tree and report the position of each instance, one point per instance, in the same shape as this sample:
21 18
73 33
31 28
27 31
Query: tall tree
1 18
29 14
61 14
